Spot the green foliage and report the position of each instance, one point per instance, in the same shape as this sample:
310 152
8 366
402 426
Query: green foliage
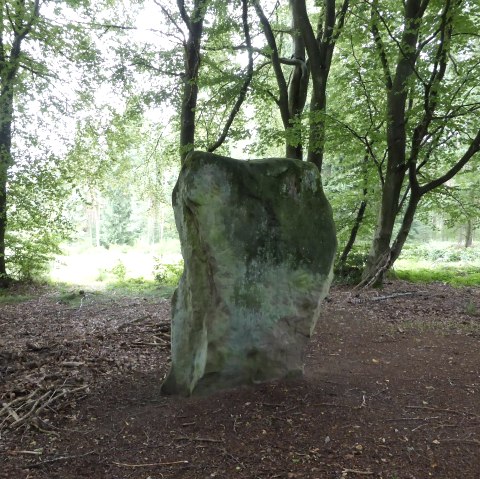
29 255
119 271
168 274
351 271
37 217
119 226
440 253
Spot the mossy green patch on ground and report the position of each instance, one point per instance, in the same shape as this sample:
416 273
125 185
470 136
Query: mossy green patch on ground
136 286
452 275
6 298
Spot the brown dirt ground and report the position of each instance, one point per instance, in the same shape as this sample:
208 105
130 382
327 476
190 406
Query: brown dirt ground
391 390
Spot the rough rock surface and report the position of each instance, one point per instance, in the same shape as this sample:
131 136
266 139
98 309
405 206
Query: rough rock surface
258 242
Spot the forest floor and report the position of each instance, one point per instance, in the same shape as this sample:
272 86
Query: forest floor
391 390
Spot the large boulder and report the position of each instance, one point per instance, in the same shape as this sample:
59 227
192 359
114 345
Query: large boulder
258 242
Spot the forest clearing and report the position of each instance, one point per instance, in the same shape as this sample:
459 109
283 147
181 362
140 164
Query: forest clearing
390 391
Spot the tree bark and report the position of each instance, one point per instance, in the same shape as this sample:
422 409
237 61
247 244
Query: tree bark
283 91
6 119
24 20
320 51
359 218
298 89
194 23
342 261
380 256
242 95
469 234
405 227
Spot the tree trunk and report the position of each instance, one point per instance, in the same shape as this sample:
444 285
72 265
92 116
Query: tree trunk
96 218
320 51
162 225
406 226
469 234
298 89
353 234
6 118
194 24
380 256
3 224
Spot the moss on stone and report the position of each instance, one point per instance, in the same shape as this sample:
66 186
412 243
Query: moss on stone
258 242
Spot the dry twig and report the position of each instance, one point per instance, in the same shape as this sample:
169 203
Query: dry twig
153 464
34 405
356 471
56 459
199 439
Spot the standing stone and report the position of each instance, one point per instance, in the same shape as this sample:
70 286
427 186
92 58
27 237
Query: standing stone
258 242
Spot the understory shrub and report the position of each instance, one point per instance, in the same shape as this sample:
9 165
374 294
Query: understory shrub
167 273
351 271
438 253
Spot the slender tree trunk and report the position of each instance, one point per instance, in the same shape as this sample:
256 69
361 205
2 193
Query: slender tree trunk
298 89
359 218
6 119
194 24
405 227
90 226
3 224
320 51
96 219
380 253
162 225
469 234
353 233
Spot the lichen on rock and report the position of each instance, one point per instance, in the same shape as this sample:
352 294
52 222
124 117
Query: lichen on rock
258 243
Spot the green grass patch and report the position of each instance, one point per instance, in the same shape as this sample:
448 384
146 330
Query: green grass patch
6 298
452 275
139 286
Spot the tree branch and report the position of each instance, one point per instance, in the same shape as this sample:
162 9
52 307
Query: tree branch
183 14
379 45
471 151
172 19
244 89
277 68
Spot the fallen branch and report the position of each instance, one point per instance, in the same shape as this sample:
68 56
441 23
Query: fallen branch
8 406
153 464
33 405
330 404
37 452
395 295
463 441
452 411
132 322
412 419
56 459
356 471
200 439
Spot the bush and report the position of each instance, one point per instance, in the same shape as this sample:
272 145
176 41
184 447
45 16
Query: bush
168 274
29 258
119 271
438 253
351 271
